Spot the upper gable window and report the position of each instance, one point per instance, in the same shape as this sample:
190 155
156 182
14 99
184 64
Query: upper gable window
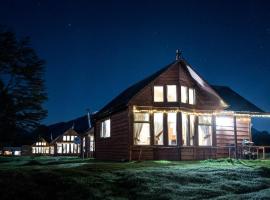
171 93
105 130
191 96
158 94
184 94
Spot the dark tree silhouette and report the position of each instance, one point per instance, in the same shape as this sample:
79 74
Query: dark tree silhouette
22 89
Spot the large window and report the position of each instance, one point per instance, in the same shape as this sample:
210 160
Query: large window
184 94
191 129
158 94
171 93
184 129
158 128
191 96
172 133
141 129
105 130
205 130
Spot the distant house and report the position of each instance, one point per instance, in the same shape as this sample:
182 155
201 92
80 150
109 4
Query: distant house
174 114
67 144
42 147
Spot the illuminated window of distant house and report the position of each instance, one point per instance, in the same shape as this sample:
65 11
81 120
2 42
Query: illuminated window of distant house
184 94
141 129
158 94
64 138
184 129
72 138
105 129
172 133
191 96
158 128
171 93
205 130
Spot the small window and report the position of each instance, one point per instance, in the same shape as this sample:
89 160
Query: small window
205 130
72 138
105 130
158 94
141 130
184 94
172 133
191 96
171 93
64 138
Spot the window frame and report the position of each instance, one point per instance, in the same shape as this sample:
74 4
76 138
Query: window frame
142 122
176 93
176 134
162 135
210 125
194 96
181 96
101 133
163 93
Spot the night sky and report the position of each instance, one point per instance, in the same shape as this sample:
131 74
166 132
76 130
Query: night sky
95 49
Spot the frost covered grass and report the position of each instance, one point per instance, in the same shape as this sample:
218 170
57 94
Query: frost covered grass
74 178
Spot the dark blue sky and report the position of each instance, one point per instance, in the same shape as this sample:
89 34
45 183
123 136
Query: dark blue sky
95 49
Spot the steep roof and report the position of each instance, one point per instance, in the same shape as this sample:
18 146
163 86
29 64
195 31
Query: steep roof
235 101
120 102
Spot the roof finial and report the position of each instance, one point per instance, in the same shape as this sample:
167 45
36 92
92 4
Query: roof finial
178 54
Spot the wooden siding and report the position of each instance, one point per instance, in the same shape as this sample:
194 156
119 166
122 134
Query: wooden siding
176 75
116 147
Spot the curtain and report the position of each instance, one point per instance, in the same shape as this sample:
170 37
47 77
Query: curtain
137 132
158 128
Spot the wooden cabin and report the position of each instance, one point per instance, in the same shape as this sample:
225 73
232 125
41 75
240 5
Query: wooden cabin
174 114
41 147
67 144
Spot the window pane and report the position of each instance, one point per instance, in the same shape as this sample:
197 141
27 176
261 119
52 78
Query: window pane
105 130
184 129
184 96
158 128
59 148
171 93
205 135
141 134
191 93
64 138
192 129
205 120
68 138
172 133
158 94
224 121
72 138
141 117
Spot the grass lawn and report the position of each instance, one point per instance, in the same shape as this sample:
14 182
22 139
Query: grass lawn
74 178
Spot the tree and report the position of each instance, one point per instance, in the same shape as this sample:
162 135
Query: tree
22 88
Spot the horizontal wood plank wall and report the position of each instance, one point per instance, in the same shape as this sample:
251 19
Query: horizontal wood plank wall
116 146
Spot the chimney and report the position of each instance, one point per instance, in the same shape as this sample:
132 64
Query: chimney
88 117
178 54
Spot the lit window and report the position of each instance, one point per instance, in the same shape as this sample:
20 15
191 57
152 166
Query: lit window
184 95
192 129
68 138
141 129
158 94
191 96
105 130
184 129
158 128
72 138
171 93
172 133
59 148
205 130
64 138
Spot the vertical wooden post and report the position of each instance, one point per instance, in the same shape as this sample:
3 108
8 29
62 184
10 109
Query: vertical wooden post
196 137
165 129
152 137
235 137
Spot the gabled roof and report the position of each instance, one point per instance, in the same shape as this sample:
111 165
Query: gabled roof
226 96
121 101
235 101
